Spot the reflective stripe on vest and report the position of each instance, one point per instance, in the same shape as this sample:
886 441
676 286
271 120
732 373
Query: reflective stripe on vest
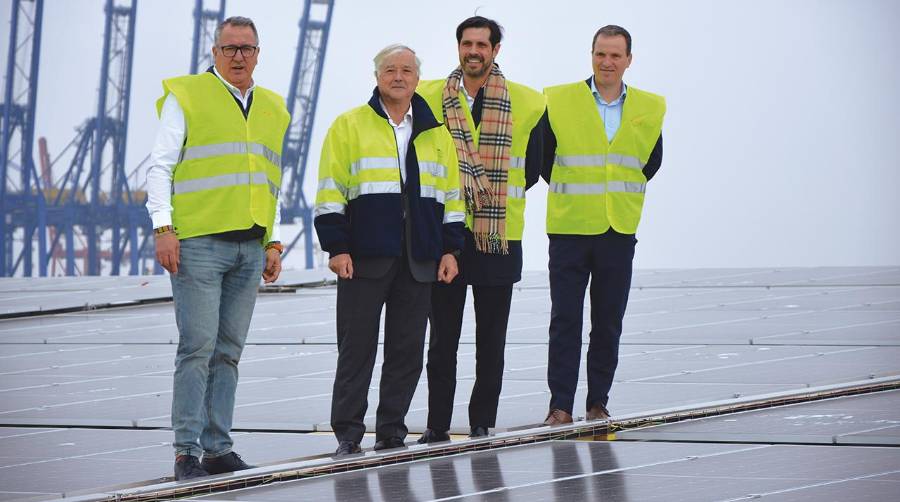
331 184
597 188
439 195
329 208
435 169
429 192
599 160
373 187
515 191
454 216
374 163
386 187
203 151
222 181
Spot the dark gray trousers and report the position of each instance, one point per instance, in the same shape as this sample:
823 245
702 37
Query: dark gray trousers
359 305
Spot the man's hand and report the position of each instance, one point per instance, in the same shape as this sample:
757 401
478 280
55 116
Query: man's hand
447 270
273 266
167 247
342 265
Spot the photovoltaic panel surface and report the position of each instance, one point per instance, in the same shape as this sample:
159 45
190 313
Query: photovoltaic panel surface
618 471
691 337
871 419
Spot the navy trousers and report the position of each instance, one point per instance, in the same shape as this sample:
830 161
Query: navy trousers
492 305
605 261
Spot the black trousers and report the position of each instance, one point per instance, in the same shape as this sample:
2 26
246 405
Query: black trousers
492 305
605 260
359 305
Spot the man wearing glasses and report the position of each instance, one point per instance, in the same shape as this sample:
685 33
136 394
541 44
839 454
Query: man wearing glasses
213 196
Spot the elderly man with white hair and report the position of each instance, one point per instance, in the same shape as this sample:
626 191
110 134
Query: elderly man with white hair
389 213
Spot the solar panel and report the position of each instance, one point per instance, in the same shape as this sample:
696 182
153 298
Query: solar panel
103 376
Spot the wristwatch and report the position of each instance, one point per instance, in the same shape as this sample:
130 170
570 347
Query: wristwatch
275 245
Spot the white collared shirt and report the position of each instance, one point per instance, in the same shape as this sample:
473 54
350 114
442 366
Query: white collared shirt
469 99
235 91
402 133
166 151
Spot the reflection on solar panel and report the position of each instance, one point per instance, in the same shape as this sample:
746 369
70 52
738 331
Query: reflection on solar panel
578 470
869 419
99 381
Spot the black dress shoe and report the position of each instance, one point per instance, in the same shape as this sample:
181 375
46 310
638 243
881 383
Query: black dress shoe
478 432
188 467
229 462
388 443
347 448
433 436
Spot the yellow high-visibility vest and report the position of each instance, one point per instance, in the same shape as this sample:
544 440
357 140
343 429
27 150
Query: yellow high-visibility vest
229 173
597 184
527 108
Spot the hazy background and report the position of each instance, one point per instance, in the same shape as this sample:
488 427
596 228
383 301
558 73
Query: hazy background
781 137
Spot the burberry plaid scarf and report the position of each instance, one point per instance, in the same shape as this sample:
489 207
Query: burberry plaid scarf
483 171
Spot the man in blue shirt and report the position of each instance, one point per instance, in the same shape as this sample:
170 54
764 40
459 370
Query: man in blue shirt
604 259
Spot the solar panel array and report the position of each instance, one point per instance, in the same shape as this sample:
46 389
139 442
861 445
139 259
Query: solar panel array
91 389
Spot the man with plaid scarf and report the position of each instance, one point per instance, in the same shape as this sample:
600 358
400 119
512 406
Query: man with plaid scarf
493 123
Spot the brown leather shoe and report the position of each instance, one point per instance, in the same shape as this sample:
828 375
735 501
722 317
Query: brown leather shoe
558 417
597 412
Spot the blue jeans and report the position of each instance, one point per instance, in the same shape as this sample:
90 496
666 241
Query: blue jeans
215 292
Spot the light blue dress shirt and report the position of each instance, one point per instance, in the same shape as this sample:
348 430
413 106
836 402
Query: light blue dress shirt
610 113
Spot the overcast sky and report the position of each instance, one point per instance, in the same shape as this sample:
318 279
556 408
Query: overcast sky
781 137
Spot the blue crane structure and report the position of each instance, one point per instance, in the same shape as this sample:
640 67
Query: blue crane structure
95 194
17 169
93 199
95 210
205 23
301 103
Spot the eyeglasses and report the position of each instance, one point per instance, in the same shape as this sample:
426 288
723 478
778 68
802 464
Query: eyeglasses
230 51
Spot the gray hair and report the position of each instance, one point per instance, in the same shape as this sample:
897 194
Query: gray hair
235 21
391 50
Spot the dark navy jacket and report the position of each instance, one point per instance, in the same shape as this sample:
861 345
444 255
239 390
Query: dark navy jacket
373 225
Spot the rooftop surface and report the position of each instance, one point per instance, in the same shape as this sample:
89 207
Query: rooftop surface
87 372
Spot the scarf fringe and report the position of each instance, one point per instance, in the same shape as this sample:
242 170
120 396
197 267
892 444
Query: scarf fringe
491 243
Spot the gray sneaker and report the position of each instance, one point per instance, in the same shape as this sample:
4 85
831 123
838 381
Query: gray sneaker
229 462
188 467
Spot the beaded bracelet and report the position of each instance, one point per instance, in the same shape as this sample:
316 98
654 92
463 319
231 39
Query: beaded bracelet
165 229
